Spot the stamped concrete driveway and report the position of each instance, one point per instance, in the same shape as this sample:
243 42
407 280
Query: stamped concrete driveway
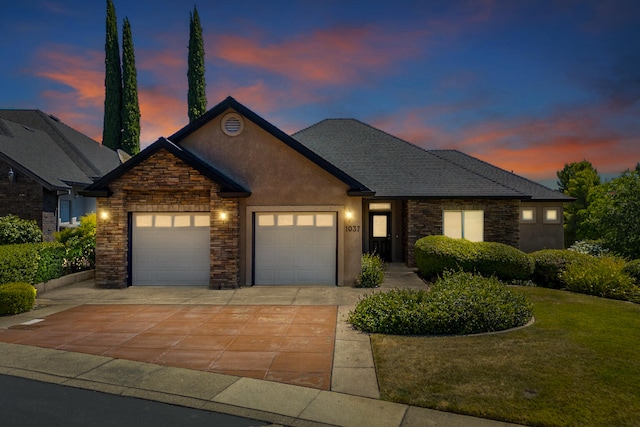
288 344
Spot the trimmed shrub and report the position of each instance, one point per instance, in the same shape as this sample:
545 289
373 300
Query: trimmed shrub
503 261
632 268
436 254
601 276
372 273
18 263
458 303
14 230
550 263
50 261
16 297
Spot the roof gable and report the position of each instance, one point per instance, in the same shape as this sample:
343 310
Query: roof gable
229 188
393 167
355 186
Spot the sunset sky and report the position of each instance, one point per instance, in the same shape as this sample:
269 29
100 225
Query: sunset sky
527 85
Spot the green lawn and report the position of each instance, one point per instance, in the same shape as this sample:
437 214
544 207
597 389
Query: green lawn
578 365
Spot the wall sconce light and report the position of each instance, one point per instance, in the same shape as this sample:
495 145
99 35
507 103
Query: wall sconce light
104 215
348 214
11 175
223 216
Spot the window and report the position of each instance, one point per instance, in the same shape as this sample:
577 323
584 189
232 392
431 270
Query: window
464 224
528 215
552 215
386 206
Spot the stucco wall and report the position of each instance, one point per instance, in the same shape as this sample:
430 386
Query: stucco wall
279 178
540 234
163 183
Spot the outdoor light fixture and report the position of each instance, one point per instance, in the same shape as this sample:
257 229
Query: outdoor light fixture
223 216
348 214
11 175
104 215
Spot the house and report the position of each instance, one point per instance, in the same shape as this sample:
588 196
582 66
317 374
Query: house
231 200
43 165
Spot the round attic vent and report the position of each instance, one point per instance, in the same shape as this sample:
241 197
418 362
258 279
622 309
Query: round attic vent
232 124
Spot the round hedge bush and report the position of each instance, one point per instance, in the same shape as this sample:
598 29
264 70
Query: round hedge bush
458 303
16 297
550 263
436 254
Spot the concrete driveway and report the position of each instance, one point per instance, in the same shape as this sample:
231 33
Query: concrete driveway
293 335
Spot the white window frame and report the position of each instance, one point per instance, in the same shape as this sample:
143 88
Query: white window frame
464 224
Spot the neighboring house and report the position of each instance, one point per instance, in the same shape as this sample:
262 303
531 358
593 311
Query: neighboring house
43 165
231 200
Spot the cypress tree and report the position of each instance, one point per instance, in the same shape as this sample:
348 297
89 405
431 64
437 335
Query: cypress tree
112 125
197 98
130 106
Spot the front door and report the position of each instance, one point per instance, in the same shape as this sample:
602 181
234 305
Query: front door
380 234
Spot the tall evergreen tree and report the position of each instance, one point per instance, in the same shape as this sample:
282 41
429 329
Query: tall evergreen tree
197 98
577 180
112 125
130 106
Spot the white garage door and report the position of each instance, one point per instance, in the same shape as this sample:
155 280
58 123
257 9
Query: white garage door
170 249
295 248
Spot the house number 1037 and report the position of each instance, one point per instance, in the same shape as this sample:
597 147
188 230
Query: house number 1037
352 228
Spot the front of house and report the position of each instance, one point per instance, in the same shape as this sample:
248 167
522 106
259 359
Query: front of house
230 200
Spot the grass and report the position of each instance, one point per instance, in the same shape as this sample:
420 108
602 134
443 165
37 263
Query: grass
578 365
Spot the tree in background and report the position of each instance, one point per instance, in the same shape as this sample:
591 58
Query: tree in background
613 214
577 180
112 125
197 98
130 106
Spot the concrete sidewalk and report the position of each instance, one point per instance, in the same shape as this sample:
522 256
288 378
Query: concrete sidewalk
352 401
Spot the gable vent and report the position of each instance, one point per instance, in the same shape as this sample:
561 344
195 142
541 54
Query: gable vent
232 124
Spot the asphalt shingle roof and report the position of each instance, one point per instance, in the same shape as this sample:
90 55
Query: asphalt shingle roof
393 167
52 152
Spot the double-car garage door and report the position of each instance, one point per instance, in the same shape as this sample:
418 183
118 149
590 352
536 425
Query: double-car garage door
289 248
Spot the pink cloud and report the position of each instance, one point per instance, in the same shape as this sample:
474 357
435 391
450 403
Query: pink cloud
533 147
334 56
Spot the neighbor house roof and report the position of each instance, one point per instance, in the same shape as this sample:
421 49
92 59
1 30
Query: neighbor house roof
356 187
229 188
52 153
393 167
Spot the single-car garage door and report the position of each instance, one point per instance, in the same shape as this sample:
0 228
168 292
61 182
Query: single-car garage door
170 249
295 248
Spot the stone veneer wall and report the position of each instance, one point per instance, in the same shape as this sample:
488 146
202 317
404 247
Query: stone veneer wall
424 218
164 183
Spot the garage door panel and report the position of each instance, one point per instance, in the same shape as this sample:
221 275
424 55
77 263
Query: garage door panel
302 251
169 249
